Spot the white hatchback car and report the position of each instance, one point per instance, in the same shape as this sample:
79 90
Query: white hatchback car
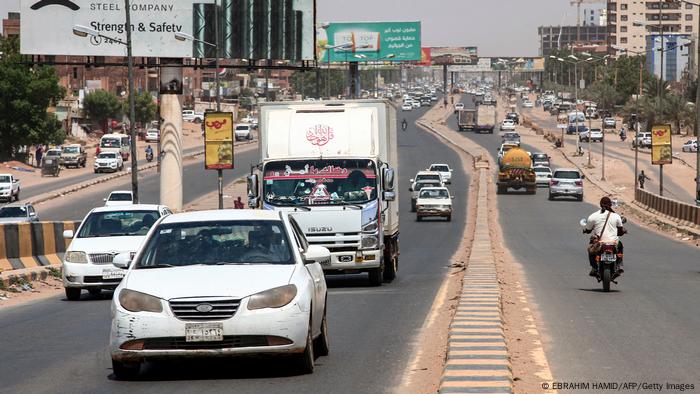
104 233
508 124
119 197
221 284
444 170
407 106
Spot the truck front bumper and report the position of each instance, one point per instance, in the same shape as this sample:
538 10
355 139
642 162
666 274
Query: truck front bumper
354 261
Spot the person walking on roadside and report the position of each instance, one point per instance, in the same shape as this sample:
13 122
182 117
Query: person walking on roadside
38 153
238 203
641 178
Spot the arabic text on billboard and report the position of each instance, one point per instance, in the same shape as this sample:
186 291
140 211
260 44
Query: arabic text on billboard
454 55
661 152
218 140
361 42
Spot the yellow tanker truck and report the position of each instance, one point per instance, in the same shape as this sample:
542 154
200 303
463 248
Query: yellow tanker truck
516 172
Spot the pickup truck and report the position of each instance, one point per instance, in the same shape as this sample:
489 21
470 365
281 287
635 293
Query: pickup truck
9 187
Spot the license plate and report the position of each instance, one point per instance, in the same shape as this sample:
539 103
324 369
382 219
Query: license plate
204 332
608 257
112 274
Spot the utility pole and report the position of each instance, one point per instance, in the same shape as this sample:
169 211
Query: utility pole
132 108
217 82
660 91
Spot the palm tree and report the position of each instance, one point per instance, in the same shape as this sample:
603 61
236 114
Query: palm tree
651 87
677 111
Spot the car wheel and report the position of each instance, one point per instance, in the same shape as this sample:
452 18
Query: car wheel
125 371
321 343
418 218
551 197
17 195
95 171
306 360
376 275
95 292
449 218
579 198
413 206
73 293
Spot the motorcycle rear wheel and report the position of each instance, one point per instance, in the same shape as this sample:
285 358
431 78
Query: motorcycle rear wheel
606 278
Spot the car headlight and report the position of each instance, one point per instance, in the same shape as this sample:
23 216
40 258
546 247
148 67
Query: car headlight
371 227
76 257
135 301
369 242
273 298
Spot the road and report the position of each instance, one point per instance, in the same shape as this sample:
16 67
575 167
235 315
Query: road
645 330
59 346
50 185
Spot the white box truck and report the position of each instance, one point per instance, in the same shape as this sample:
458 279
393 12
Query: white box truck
485 118
333 164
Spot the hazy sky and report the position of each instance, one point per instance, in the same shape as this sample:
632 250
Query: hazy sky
497 27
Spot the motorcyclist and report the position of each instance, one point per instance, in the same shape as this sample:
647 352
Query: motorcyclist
609 235
149 151
623 134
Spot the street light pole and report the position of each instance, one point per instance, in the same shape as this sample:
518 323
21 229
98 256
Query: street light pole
217 82
660 87
132 107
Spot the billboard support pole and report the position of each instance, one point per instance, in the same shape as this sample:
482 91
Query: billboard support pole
354 80
219 172
132 109
444 85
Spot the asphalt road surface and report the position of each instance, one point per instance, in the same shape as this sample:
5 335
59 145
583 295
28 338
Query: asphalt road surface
646 329
59 183
58 346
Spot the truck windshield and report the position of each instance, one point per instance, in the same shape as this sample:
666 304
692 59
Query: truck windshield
110 143
320 182
71 149
5 179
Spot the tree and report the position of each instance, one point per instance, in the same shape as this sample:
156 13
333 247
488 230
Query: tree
678 112
145 107
101 105
603 94
338 82
25 95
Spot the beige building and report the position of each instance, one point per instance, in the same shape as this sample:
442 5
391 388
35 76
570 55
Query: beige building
676 18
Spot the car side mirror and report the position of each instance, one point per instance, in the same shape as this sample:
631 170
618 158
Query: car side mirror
452 197
317 254
104 199
451 170
583 222
410 180
32 214
122 260
68 234
389 196
388 179
410 189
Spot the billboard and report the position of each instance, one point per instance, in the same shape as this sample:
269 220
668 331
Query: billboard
249 29
518 64
47 27
454 55
483 64
256 29
661 152
218 140
368 41
425 57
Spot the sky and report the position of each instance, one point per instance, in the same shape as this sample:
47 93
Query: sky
496 27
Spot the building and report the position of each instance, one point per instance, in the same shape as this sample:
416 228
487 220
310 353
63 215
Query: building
10 26
554 37
675 57
594 17
674 18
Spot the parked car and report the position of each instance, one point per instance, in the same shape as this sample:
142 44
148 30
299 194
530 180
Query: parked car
152 135
104 233
643 140
690 146
592 134
52 156
434 202
243 132
407 107
9 187
18 213
189 115
609 123
119 197
566 182
220 284
108 162
540 159
507 124
73 155
444 170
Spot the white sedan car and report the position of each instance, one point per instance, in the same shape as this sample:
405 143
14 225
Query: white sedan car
407 106
444 170
221 284
108 161
690 146
152 135
104 233
542 175
119 197
507 124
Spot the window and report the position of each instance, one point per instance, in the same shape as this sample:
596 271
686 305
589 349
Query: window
689 17
688 6
623 7
689 29
623 18
623 40
623 29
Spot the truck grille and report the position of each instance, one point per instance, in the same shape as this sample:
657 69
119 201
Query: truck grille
336 242
221 309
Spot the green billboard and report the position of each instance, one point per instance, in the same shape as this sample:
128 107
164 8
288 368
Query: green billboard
369 41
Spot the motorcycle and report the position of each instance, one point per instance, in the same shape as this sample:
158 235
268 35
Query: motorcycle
149 156
623 136
608 260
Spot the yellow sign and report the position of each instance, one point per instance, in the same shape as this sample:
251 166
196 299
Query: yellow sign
218 140
661 152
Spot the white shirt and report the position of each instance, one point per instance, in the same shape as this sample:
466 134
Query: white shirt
596 221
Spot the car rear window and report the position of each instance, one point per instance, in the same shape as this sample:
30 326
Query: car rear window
567 175
538 169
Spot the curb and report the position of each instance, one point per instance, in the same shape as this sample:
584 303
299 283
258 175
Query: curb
477 354
26 275
73 189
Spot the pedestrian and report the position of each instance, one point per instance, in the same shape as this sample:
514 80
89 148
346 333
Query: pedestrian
238 203
641 178
38 153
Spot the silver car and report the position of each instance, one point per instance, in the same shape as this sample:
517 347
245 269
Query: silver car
566 182
18 213
542 175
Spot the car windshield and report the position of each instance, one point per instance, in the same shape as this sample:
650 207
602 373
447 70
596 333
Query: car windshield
434 193
242 127
427 177
320 182
440 168
13 212
118 223
5 179
107 155
120 197
110 143
567 175
421 185
71 149
217 243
